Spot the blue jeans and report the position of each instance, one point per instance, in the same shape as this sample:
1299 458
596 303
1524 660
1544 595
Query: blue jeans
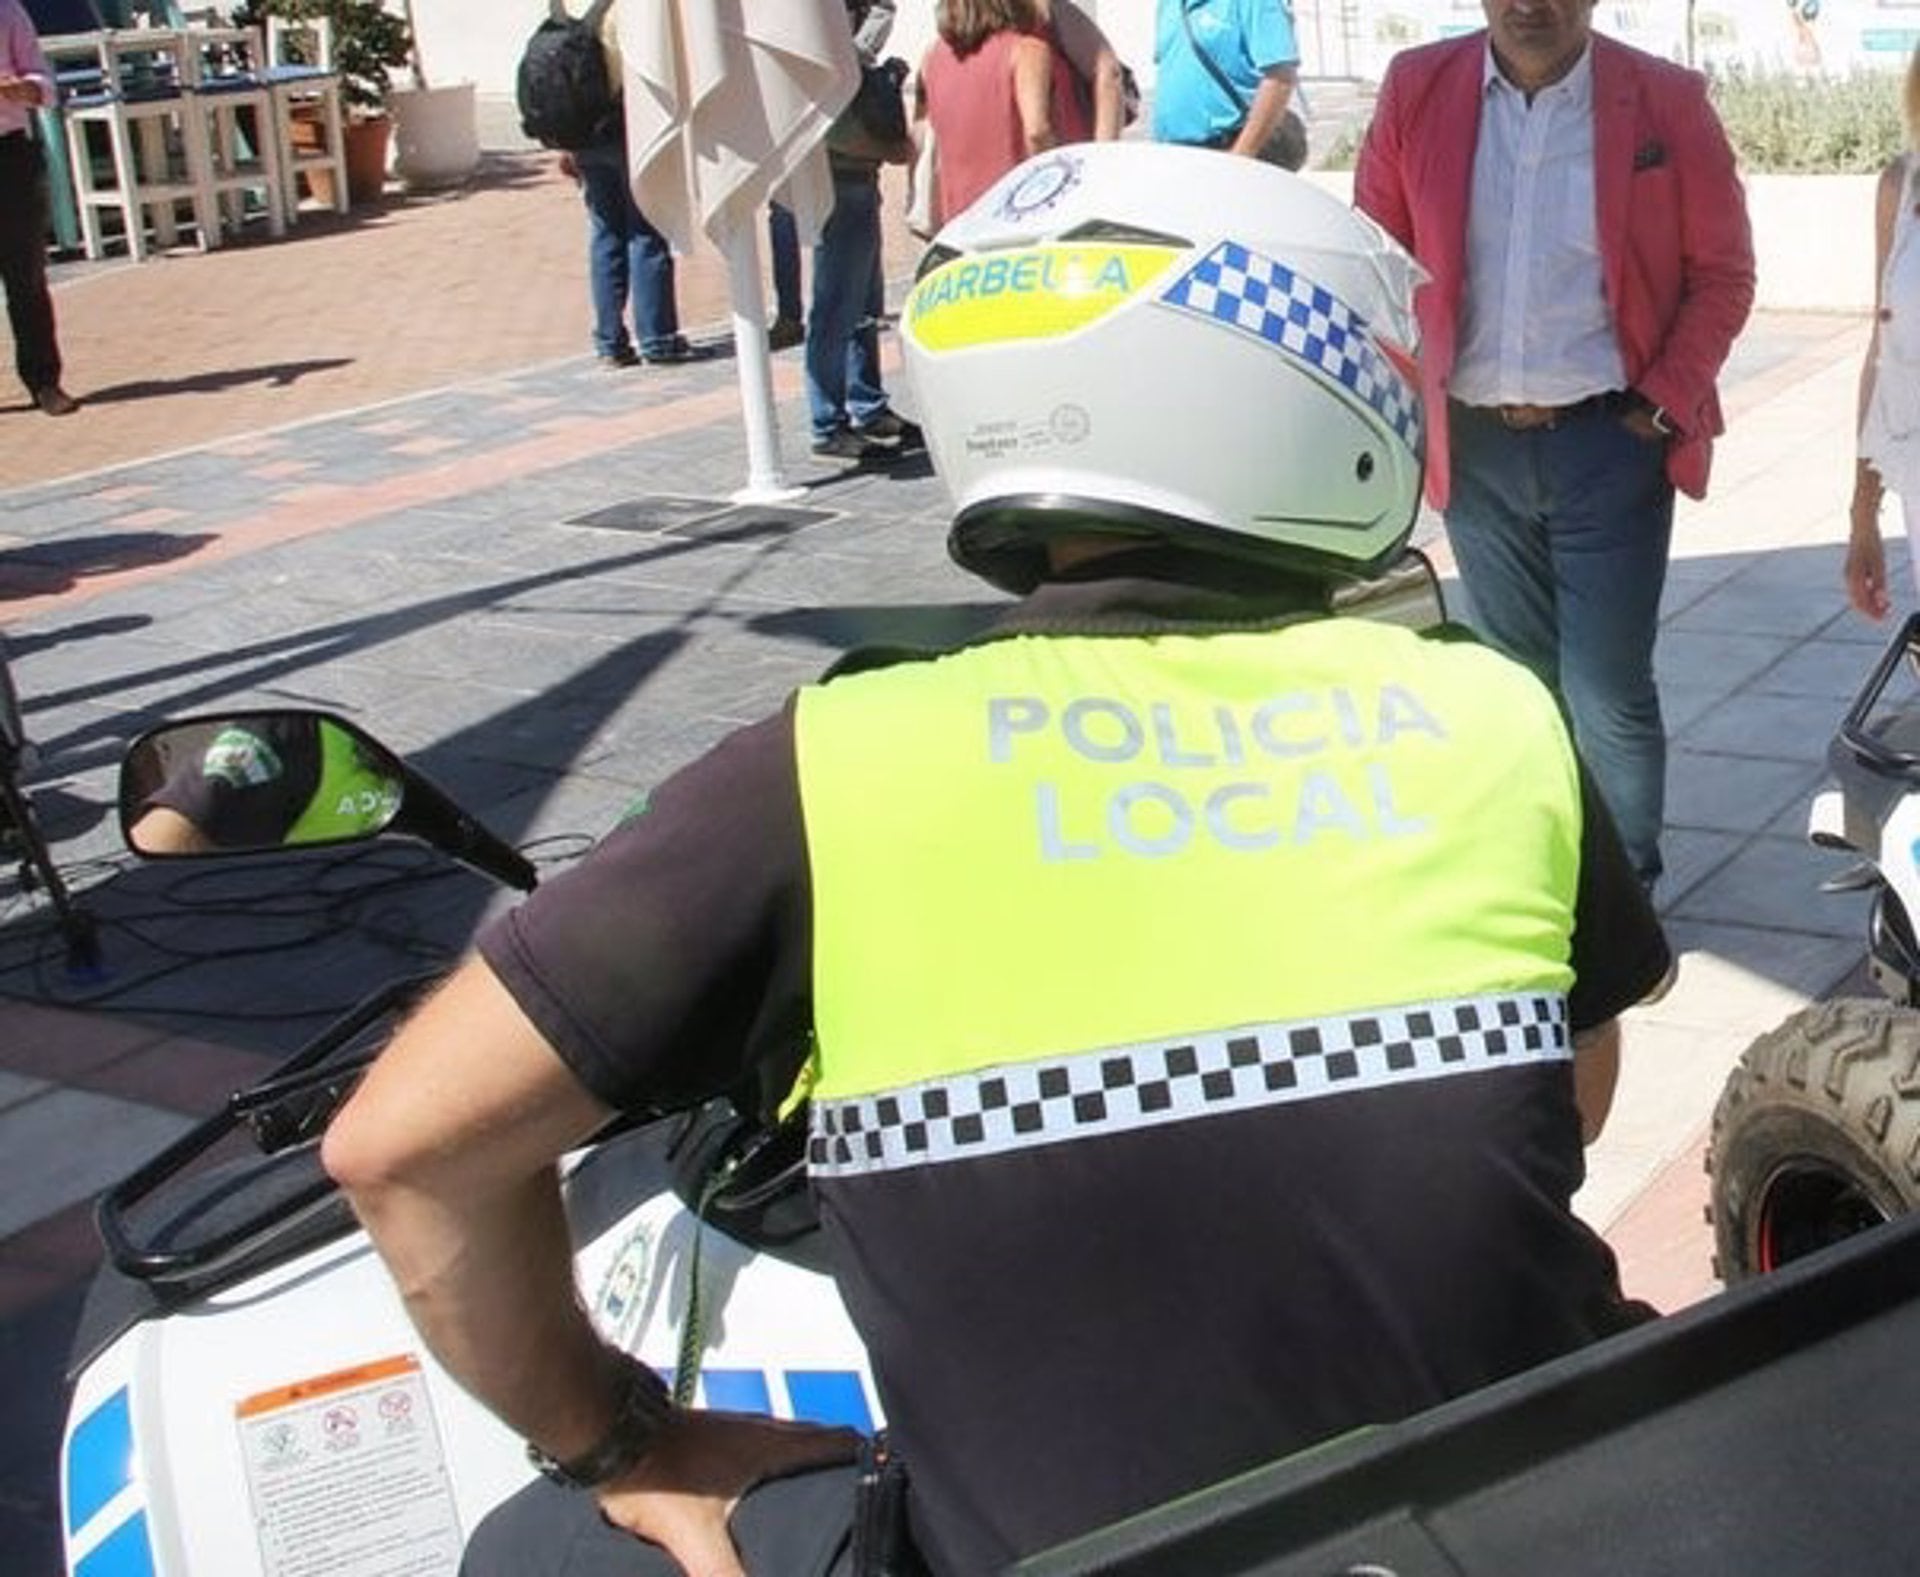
783 242
1561 535
849 295
626 257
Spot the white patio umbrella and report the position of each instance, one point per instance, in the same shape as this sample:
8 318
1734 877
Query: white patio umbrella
727 101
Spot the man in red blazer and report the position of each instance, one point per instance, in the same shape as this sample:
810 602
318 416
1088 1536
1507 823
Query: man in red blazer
1576 204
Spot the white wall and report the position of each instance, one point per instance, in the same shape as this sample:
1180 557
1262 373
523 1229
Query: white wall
477 41
480 40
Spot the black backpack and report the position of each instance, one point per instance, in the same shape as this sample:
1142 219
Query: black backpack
565 98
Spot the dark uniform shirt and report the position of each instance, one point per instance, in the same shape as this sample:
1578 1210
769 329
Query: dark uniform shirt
250 783
1070 1333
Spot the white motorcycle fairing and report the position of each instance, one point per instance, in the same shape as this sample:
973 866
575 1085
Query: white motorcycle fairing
293 1425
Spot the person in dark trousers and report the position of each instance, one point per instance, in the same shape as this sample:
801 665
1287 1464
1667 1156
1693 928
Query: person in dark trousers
788 327
1202 998
852 416
26 83
1577 204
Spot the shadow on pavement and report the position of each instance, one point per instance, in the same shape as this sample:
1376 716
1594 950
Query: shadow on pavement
53 566
91 629
912 626
211 679
278 374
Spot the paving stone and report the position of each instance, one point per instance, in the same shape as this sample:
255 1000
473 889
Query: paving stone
1773 727
1772 883
1734 793
68 1144
1833 670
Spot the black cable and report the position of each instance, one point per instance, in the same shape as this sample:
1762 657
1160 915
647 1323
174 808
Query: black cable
323 899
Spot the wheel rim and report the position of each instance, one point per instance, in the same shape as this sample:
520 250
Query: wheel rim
1808 1206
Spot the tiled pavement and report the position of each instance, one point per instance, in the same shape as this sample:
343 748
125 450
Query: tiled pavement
528 579
417 292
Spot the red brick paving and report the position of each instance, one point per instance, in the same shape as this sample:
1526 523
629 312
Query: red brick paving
424 291
1663 1242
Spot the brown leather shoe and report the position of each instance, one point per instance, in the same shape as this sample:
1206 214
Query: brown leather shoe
55 401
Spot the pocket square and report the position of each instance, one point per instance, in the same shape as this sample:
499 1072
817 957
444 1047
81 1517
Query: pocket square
1649 156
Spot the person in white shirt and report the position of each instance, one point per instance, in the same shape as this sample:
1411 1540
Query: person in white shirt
1889 410
1577 205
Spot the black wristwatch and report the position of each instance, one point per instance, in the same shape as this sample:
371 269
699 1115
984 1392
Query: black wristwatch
645 1404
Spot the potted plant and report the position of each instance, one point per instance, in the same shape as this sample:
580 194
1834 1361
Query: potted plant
435 130
369 43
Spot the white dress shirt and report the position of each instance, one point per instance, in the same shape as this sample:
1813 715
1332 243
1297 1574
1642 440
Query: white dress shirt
1534 326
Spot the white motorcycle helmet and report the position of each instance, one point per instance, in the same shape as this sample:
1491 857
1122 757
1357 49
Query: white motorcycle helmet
1138 339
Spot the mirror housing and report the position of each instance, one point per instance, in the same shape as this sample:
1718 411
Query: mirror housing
253 782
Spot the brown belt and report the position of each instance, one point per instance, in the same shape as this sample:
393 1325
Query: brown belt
1525 418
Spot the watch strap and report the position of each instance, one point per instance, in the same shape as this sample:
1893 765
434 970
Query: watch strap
644 1406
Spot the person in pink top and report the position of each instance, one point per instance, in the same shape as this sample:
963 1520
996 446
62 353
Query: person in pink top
26 82
996 90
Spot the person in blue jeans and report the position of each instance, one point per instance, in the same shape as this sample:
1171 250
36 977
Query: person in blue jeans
847 403
627 260
851 417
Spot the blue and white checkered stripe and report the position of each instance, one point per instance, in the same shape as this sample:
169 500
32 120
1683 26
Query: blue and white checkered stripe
1123 1088
1268 300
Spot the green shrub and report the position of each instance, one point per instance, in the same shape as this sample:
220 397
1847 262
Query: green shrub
369 42
1778 124
1822 126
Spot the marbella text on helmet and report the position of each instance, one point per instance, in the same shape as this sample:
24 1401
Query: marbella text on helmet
1137 338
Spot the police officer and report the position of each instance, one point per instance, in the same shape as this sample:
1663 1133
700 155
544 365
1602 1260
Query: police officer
265 781
1207 995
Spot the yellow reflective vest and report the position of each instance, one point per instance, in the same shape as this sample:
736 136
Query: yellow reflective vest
1046 844
351 798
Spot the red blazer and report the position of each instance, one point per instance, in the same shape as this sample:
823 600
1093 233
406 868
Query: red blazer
1676 250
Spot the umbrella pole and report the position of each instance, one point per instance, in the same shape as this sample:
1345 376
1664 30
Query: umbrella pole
766 482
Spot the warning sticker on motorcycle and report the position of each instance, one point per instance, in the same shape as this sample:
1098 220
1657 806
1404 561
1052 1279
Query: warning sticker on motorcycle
348 1477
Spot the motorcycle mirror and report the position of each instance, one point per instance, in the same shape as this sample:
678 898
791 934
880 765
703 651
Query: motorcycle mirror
257 781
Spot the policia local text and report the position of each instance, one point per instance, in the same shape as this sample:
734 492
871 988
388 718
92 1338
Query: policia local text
1154 817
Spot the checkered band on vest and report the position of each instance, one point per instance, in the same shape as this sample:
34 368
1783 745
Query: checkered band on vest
1268 300
1017 1106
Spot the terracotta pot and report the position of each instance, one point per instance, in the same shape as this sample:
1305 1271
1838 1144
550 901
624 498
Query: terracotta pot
367 141
307 128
